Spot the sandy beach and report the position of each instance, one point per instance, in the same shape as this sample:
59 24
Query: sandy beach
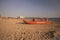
13 29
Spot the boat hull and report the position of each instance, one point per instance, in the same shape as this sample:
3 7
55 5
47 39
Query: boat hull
35 22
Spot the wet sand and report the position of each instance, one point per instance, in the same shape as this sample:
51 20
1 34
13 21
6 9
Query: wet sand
13 29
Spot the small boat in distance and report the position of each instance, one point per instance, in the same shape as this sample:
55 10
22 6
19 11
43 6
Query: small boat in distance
36 22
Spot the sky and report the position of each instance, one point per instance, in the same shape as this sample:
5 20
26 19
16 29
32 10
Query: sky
30 8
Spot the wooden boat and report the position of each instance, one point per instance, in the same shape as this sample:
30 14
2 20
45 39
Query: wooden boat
36 22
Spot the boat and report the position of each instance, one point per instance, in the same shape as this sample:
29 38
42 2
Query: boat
36 22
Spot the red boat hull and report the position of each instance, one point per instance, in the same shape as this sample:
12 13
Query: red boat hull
35 22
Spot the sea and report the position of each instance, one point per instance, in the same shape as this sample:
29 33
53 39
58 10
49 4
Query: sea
51 19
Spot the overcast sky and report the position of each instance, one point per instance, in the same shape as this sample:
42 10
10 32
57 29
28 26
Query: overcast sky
30 8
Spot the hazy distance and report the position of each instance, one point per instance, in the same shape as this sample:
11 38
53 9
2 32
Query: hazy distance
30 8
